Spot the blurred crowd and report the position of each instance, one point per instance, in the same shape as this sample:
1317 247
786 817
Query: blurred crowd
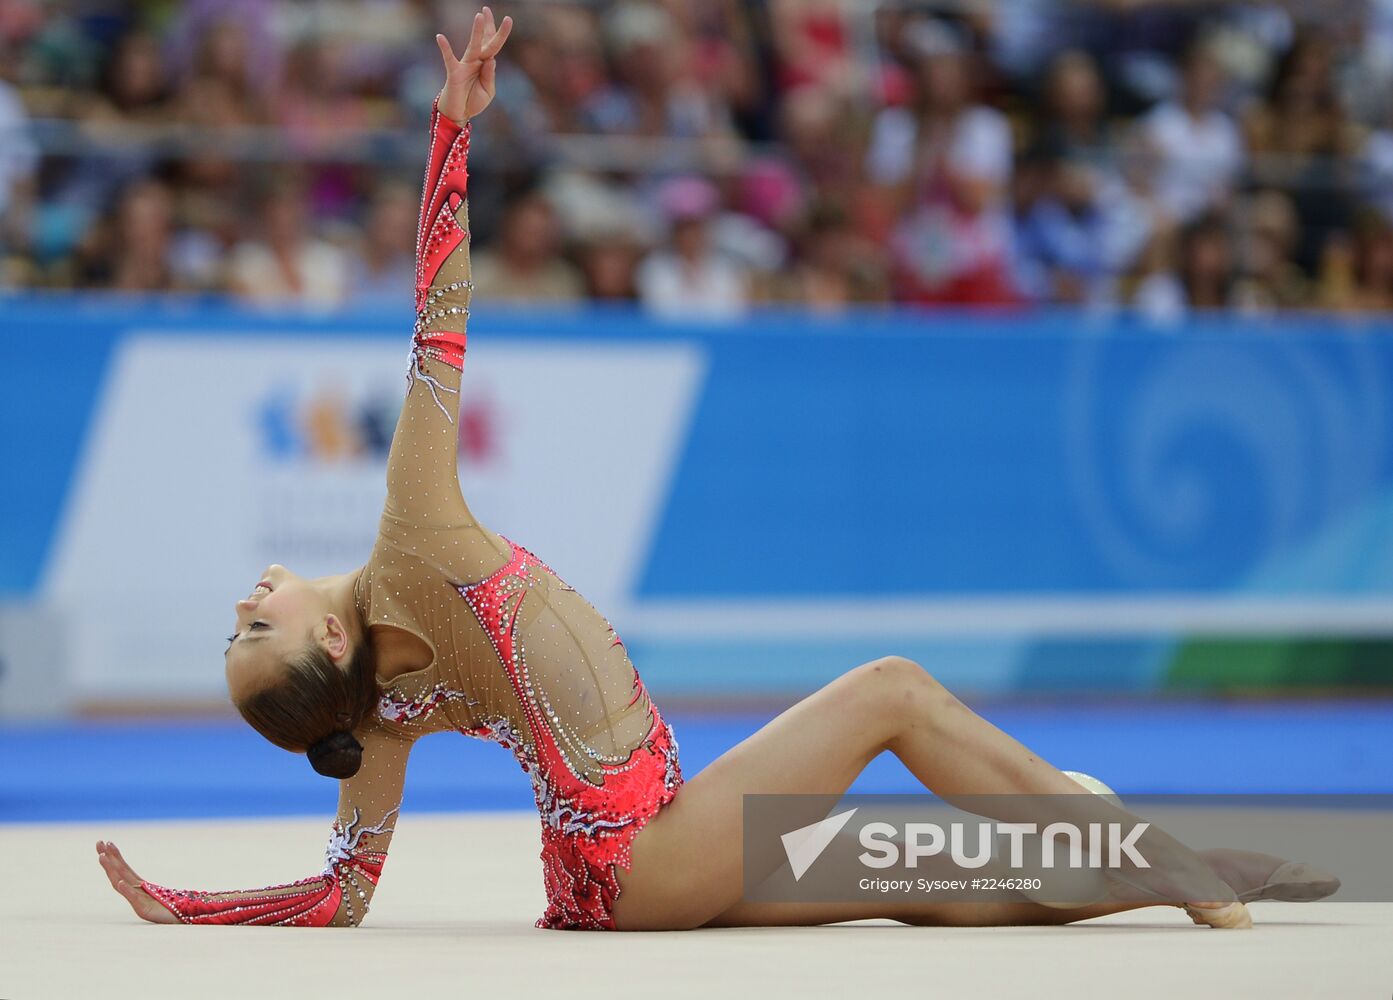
701 156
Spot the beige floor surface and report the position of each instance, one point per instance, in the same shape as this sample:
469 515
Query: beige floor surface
453 917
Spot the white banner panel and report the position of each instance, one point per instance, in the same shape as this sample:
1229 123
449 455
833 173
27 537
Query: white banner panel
211 457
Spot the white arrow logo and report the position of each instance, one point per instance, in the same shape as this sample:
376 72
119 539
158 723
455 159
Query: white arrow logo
806 844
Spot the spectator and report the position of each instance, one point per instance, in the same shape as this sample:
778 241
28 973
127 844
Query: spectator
133 251
813 44
525 263
823 159
1074 118
727 60
220 92
1302 142
1208 270
1203 274
653 91
534 98
384 271
1076 231
286 265
19 154
881 154
1197 148
565 68
316 105
1375 165
689 279
1269 235
946 165
1357 274
835 266
1300 118
609 263
135 87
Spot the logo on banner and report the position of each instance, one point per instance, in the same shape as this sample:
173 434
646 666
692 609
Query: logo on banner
335 425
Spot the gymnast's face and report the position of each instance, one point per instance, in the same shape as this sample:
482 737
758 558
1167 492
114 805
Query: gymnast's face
275 622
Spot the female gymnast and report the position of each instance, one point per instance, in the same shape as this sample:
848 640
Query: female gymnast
450 626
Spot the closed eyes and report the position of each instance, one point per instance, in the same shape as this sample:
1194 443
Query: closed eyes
250 628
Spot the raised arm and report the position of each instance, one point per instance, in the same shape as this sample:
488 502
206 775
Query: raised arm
422 477
336 897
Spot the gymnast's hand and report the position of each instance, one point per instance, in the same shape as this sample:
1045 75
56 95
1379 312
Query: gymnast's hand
127 883
469 81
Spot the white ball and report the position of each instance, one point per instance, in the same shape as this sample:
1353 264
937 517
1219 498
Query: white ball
1082 886
1095 786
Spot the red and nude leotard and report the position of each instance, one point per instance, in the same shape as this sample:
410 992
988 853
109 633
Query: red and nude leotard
520 658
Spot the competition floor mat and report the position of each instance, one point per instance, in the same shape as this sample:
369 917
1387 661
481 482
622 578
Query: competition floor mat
453 917
210 805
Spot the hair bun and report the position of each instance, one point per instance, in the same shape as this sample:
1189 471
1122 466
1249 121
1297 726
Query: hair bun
338 755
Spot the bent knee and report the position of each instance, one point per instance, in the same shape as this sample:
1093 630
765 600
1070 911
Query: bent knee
896 669
895 664
902 686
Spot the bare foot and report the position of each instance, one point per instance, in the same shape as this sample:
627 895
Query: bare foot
1253 876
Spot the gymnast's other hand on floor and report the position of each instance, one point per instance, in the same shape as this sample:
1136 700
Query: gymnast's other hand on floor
469 80
125 881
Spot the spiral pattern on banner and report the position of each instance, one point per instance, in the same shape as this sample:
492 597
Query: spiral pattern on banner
1195 459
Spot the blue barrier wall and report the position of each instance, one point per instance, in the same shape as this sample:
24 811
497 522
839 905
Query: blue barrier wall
839 465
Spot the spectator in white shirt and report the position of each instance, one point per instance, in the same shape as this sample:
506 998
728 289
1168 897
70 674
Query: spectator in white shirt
1197 148
690 279
286 265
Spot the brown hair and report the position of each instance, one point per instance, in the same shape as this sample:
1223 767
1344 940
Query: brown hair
315 707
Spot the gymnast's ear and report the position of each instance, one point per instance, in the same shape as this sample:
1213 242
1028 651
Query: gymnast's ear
332 636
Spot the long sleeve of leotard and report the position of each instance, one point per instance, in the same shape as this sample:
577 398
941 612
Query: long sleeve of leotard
425 517
339 895
423 492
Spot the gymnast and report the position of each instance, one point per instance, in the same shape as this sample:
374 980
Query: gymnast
450 626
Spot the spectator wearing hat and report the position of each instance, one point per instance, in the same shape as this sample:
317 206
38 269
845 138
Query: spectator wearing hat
689 278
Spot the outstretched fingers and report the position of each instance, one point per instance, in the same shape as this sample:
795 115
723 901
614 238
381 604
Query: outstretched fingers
447 52
126 882
119 874
121 858
485 41
478 34
470 78
113 864
495 42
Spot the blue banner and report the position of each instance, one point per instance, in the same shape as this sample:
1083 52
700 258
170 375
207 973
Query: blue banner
983 490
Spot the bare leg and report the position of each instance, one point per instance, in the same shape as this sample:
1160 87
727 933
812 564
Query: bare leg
1248 873
819 747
